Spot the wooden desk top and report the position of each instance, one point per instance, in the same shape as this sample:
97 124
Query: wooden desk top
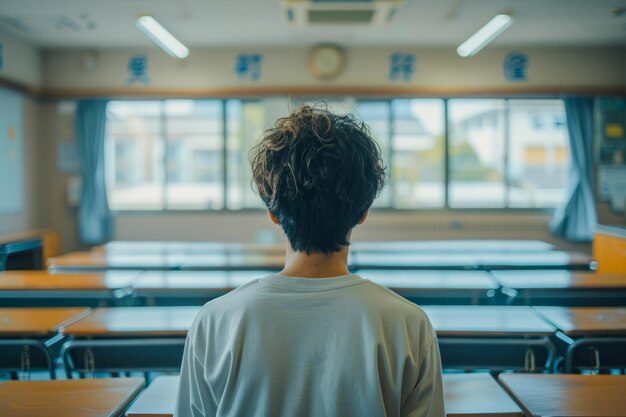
512 260
465 395
476 394
98 397
381 260
408 280
169 281
461 246
579 321
37 322
158 400
559 280
43 280
134 321
542 395
487 321
100 261
233 260
167 261
185 247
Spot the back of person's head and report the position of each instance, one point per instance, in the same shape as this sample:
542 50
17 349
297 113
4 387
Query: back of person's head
318 174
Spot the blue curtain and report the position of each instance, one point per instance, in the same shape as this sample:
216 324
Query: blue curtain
94 217
576 218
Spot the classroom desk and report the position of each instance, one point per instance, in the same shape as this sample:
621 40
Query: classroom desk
465 395
436 286
41 288
452 246
93 261
593 338
186 247
134 322
497 321
233 262
117 340
427 246
568 395
69 398
492 337
28 334
26 245
471 261
586 321
188 287
37 322
476 394
551 287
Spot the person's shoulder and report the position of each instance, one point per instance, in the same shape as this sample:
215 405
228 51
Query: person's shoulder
231 300
388 299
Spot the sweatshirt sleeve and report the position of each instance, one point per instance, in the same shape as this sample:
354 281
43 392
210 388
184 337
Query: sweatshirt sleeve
426 398
195 397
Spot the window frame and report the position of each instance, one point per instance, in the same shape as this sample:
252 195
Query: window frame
446 208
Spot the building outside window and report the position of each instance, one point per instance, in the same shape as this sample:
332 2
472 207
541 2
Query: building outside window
194 154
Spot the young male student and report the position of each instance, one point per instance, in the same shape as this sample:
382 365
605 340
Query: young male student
313 340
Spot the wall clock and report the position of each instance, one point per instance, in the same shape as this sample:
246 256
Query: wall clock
327 62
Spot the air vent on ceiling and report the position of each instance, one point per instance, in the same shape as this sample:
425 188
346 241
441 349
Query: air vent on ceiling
340 12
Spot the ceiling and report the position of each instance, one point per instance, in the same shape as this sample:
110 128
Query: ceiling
260 23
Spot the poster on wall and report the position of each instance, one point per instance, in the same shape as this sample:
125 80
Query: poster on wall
11 153
401 67
248 67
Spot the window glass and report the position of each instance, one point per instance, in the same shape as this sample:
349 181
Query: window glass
194 132
538 153
134 155
476 149
418 153
376 115
246 122
169 154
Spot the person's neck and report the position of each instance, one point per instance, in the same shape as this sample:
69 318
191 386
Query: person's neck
316 265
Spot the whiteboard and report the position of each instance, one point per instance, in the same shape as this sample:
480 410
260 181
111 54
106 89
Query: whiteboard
11 152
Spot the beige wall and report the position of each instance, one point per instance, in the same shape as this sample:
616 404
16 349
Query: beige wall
22 62
439 69
380 225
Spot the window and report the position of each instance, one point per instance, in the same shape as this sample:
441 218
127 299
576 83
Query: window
476 149
538 158
418 149
164 154
193 133
194 154
134 150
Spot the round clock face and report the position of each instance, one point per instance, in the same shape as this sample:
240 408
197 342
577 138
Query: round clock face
326 62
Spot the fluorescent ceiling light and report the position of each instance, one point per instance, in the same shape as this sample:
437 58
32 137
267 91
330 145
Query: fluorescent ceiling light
162 37
486 34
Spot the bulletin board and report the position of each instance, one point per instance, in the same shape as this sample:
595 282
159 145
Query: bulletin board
11 153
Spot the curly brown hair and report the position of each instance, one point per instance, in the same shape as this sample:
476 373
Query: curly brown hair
317 173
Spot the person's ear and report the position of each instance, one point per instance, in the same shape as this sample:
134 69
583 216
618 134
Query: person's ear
363 217
272 217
